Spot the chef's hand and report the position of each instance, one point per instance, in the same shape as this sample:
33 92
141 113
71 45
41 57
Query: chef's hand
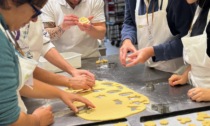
79 72
68 21
177 80
69 98
126 47
44 115
199 94
85 27
81 82
140 56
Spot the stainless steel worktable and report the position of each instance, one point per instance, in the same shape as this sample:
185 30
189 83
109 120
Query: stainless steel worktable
137 78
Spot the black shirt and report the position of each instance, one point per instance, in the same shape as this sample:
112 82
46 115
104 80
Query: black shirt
201 22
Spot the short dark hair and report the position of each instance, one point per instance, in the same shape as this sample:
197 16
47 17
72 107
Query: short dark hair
38 3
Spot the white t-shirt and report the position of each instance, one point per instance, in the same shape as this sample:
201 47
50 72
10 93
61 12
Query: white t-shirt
34 40
73 39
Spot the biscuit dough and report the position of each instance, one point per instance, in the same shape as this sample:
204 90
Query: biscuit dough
191 124
183 120
150 123
120 124
84 20
112 101
164 122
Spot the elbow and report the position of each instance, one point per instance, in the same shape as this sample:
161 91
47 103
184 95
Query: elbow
103 33
102 36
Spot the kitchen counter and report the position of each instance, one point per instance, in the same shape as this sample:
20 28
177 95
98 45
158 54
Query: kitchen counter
150 82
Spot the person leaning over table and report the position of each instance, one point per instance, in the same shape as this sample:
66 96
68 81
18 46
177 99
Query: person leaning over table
14 73
61 20
157 32
197 55
35 41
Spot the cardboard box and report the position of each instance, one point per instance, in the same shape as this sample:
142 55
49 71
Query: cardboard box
71 57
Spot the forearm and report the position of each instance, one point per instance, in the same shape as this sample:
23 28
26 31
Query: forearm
129 32
169 50
26 120
97 31
55 33
40 90
54 57
185 74
50 77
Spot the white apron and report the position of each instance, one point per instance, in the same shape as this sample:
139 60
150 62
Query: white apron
26 68
154 33
194 53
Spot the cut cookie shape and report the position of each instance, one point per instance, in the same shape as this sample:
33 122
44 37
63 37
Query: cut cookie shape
164 122
121 124
183 120
150 123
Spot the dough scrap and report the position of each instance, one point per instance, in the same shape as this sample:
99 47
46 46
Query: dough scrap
101 61
112 101
84 20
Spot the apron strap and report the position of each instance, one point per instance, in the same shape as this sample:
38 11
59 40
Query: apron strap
10 36
3 30
197 13
162 4
208 19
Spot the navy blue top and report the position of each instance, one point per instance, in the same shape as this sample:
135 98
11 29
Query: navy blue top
9 81
179 16
201 22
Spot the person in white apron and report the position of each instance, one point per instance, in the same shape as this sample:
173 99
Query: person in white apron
12 78
195 54
159 43
15 71
35 41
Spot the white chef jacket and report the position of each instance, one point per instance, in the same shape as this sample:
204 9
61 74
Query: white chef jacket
73 39
34 39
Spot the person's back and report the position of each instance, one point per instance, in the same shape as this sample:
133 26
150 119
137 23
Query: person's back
8 80
72 38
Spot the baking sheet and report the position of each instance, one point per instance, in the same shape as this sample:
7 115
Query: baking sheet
172 117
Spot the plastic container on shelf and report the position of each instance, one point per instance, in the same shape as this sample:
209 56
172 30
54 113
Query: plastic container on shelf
71 57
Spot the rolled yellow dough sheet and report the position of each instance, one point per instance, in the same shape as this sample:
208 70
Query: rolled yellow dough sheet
112 101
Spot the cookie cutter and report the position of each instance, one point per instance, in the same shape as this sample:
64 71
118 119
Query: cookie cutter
150 87
111 65
161 108
84 109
